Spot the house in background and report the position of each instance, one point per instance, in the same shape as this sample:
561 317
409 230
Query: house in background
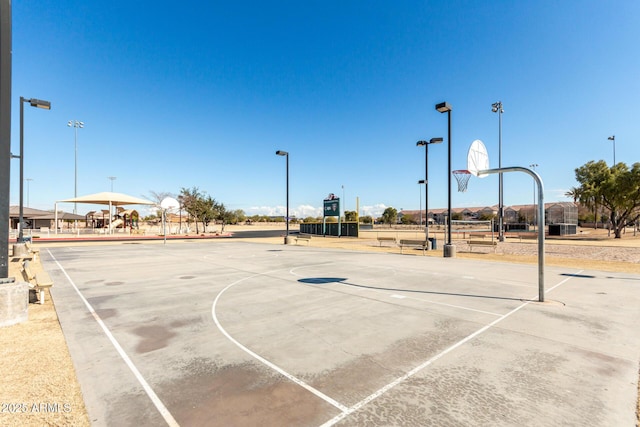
35 218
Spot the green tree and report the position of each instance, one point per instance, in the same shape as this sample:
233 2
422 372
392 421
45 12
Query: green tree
350 215
200 206
189 198
390 216
237 216
367 219
483 216
615 188
408 220
208 211
223 215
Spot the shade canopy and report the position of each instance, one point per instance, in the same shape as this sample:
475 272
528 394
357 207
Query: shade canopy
105 198
108 198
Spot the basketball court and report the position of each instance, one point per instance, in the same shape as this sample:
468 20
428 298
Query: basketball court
235 333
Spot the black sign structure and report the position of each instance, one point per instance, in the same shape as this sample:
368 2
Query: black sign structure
332 205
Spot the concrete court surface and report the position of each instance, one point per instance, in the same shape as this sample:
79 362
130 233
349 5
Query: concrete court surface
231 333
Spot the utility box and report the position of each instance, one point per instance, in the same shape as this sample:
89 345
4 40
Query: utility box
562 229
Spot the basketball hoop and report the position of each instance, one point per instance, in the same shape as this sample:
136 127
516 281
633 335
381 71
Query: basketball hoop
462 176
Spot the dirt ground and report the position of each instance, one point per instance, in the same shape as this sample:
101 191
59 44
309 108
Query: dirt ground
39 385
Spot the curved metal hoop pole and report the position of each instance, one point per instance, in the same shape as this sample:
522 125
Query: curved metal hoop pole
538 180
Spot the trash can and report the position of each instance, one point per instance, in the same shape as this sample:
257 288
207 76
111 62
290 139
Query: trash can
433 243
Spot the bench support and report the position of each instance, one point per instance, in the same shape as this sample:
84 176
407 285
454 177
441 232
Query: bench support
414 243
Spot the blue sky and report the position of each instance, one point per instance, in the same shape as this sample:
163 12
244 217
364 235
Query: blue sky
203 93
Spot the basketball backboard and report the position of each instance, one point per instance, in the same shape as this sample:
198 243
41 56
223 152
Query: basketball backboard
169 204
477 158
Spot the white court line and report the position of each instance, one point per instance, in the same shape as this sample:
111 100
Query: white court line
147 388
423 365
449 305
262 359
384 291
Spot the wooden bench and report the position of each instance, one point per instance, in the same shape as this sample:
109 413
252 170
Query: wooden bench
413 243
42 280
32 250
304 238
476 235
528 236
385 239
492 243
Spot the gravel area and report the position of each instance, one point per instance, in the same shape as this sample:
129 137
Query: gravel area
606 253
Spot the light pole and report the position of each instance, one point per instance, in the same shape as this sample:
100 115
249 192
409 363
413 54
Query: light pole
534 166
34 103
75 124
426 182
449 249
496 107
28 181
286 154
420 182
613 138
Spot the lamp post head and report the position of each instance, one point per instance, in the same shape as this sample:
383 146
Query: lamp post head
39 103
75 124
282 153
497 107
612 138
431 141
443 107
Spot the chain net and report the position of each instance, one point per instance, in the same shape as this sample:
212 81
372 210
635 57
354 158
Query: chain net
462 176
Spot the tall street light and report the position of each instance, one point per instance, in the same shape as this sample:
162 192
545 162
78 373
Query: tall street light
613 138
426 182
77 125
449 249
286 154
420 182
112 178
38 103
28 181
496 107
